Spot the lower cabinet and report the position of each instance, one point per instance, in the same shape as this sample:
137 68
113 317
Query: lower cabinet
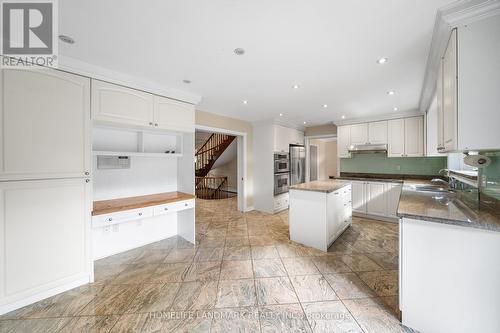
375 199
44 232
281 202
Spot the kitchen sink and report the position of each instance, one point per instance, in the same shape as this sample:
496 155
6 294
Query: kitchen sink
432 188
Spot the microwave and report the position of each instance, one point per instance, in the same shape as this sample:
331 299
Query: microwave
281 163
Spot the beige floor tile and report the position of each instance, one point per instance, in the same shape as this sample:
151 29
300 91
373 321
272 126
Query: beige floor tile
151 256
104 273
237 253
149 323
180 255
386 260
137 273
330 264
196 295
385 283
154 297
268 268
264 252
241 320
312 288
203 271
349 285
236 293
276 290
95 324
300 266
330 317
283 318
43 325
237 241
209 254
360 263
111 299
175 272
236 269
212 242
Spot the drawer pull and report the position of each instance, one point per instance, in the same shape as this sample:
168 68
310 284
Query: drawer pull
140 214
185 204
165 208
110 219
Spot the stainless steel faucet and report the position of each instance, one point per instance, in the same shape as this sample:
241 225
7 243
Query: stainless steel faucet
440 181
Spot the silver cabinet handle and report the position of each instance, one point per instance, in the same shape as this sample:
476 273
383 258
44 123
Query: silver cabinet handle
150 123
156 125
165 208
185 204
87 173
110 219
87 180
140 214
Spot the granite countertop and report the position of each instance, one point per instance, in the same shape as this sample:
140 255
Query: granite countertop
386 178
446 208
324 186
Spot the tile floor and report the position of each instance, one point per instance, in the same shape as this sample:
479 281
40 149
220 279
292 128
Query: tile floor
243 276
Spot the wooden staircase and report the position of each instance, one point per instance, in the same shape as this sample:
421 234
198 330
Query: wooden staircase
211 150
212 188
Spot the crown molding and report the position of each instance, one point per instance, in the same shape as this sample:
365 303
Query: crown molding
80 67
387 116
447 18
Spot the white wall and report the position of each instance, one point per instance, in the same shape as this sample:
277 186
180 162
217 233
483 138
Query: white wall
147 175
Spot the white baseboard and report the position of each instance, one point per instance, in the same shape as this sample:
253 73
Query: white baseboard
376 217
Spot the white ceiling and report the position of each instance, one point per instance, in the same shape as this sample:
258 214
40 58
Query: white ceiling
328 47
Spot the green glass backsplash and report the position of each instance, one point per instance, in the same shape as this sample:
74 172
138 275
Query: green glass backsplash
490 176
380 163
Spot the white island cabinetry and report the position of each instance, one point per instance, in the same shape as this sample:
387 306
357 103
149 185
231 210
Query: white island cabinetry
319 212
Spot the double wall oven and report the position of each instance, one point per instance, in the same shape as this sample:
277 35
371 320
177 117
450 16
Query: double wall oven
281 173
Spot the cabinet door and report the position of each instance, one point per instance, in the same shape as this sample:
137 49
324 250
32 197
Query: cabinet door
343 141
281 143
44 122
439 96
376 203
450 94
414 137
377 132
393 194
44 230
359 134
358 197
396 138
173 115
122 105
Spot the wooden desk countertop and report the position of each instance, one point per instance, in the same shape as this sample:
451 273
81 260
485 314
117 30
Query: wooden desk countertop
117 205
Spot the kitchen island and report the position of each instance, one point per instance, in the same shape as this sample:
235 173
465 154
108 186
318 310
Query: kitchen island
319 212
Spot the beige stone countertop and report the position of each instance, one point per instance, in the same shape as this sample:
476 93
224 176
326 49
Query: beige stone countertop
446 208
325 186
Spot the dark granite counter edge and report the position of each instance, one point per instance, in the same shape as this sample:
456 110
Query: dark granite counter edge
467 224
386 176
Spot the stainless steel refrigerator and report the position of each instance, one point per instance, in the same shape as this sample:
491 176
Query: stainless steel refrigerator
297 164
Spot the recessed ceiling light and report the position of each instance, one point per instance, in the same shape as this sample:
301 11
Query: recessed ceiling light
295 86
382 61
66 39
186 81
325 106
245 102
343 117
395 109
305 122
390 92
281 114
239 51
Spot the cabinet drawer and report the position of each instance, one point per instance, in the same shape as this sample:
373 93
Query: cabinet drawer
281 202
173 207
119 217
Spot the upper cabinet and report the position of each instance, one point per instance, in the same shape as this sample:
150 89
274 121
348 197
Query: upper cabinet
377 132
114 103
406 137
284 137
44 124
468 86
343 141
359 134
121 105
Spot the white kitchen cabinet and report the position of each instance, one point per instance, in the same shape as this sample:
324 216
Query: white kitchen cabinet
376 198
358 197
343 141
406 137
44 232
393 193
173 115
449 103
414 137
469 87
281 202
284 137
396 138
377 132
359 134
118 104
44 121
439 111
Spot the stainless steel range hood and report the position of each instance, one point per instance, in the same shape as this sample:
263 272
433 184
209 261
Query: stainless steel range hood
368 148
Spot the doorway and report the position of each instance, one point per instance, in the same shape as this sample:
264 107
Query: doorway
313 162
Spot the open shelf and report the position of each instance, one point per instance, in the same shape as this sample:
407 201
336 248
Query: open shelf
112 141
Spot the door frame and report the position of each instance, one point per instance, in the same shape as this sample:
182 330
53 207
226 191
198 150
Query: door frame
317 164
241 142
307 142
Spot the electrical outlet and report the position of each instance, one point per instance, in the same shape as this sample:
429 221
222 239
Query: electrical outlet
116 227
398 167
